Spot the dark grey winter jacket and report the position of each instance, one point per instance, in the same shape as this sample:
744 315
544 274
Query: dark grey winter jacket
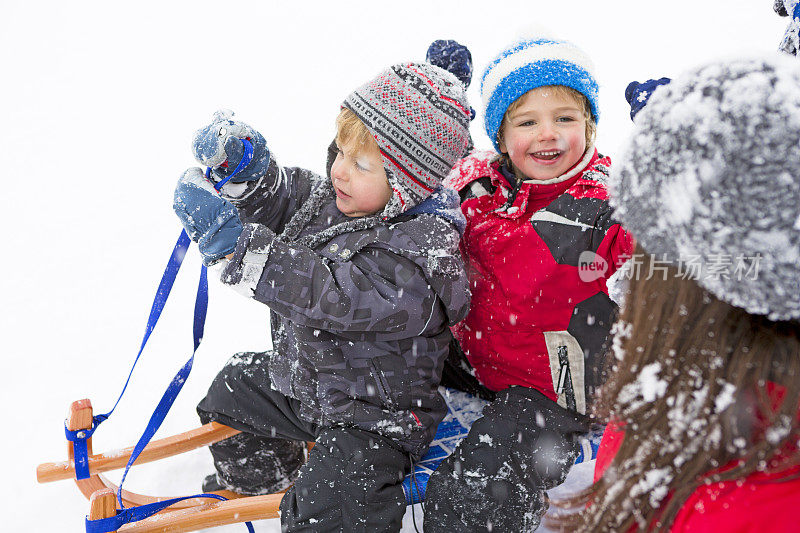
360 307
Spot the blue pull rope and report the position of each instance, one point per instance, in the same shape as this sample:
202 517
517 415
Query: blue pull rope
175 386
170 273
80 437
162 293
134 514
200 308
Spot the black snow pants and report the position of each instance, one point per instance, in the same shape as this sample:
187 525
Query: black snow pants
524 444
351 482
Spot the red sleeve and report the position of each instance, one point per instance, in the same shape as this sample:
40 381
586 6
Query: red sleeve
610 443
616 247
762 502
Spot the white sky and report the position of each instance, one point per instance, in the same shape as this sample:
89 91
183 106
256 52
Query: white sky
99 102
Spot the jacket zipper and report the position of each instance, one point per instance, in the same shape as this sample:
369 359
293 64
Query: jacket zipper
383 389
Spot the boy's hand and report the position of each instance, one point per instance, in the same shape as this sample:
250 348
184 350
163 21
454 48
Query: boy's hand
781 8
209 220
790 43
218 145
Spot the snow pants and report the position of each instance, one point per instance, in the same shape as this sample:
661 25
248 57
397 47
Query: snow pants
524 444
351 482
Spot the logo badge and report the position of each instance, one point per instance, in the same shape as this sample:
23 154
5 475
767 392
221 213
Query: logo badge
591 266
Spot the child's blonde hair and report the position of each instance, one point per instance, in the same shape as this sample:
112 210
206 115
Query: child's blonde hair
352 133
564 92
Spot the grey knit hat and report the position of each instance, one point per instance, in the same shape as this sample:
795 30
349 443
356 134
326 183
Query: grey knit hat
419 116
710 181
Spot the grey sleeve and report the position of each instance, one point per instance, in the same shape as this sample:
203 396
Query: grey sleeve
375 291
275 197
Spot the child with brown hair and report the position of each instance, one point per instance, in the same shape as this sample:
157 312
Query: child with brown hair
362 275
540 243
705 382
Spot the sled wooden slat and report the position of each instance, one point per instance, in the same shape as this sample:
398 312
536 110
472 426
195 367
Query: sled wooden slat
104 462
102 504
80 417
131 499
213 514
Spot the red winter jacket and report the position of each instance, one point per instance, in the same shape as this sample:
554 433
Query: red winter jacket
536 319
760 502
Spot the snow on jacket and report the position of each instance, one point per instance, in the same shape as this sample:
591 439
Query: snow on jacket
759 502
536 319
360 307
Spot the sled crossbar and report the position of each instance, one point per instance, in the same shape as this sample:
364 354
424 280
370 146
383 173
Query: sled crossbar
158 449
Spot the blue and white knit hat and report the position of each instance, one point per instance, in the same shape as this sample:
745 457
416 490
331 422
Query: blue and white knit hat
529 64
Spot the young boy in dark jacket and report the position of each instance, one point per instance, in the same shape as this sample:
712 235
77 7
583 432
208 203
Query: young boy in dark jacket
362 275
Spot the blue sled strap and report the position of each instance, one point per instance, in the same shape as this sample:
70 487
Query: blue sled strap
80 449
200 308
79 438
135 514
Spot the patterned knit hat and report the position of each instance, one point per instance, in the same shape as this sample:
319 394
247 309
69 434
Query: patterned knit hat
709 181
419 115
529 64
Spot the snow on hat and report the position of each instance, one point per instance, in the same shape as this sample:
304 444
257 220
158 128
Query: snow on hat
419 115
532 63
637 94
452 56
709 181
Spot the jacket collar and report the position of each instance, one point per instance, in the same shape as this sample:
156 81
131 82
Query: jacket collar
513 199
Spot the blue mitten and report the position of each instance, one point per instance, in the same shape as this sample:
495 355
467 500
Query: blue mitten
218 145
637 94
210 220
790 43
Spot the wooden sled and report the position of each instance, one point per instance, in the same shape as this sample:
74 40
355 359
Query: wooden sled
187 515
199 513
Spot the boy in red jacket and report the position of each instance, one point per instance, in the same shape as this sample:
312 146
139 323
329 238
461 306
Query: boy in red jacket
540 243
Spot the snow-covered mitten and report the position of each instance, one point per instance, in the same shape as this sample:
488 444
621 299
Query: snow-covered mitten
779 8
218 145
637 93
210 220
791 37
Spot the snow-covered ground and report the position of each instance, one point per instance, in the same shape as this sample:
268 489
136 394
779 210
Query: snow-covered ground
99 103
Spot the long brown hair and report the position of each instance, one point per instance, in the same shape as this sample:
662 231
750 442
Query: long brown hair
705 392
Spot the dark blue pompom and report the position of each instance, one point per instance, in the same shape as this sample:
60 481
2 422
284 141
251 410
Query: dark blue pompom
637 94
453 57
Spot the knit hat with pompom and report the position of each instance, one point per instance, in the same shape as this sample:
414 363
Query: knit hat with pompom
419 115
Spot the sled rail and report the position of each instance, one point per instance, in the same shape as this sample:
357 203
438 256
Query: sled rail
201 516
156 450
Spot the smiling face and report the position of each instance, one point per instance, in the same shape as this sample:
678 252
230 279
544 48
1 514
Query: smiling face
544 133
